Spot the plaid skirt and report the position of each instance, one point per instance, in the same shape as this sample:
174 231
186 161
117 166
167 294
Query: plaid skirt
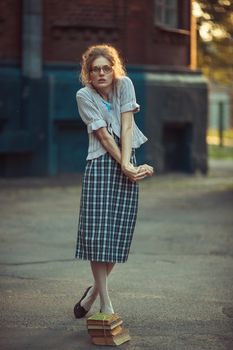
108 211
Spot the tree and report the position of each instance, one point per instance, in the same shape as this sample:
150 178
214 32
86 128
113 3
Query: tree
215 39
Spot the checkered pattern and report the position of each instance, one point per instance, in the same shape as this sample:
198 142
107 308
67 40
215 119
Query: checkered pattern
108 211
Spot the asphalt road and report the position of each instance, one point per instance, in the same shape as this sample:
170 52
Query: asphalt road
174 293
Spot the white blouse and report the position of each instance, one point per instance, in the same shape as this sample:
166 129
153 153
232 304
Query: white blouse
95 114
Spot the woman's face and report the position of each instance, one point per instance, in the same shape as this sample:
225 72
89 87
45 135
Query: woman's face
101 73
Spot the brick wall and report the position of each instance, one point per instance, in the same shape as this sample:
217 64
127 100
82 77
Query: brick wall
10 30
69 27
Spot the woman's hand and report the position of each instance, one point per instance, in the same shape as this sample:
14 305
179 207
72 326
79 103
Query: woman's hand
134 173
149 169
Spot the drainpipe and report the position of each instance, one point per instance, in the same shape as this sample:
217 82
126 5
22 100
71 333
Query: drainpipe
32 39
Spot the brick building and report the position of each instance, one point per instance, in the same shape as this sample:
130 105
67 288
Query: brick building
41 44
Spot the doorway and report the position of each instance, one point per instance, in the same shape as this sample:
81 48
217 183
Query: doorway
177 143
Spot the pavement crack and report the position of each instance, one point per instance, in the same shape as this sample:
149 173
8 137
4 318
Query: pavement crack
36 262
19 277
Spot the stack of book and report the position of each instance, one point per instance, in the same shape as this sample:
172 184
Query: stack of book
107 329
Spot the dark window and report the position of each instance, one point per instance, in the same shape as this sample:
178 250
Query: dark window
166 13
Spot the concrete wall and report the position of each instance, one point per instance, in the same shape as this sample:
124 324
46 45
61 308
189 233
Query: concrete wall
176 120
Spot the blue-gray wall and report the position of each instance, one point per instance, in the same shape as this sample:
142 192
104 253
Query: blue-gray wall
41 132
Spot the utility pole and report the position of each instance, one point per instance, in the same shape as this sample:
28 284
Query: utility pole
220 123
193 39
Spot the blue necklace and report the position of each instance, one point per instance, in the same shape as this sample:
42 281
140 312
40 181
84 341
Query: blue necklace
107 104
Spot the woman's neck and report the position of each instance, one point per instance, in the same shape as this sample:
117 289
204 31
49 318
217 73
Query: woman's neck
105 93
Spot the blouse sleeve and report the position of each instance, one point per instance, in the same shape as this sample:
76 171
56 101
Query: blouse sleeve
127 96
89 113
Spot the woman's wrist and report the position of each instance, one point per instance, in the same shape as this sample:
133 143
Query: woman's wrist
125 166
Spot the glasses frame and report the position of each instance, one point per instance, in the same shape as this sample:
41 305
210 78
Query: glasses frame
96 70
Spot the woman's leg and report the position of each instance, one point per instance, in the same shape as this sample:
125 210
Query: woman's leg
93 292
100 272
110 266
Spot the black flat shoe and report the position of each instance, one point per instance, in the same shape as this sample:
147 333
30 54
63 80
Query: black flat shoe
79 311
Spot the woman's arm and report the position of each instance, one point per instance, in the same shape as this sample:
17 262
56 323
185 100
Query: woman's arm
108 142
127 119
126 138
127 167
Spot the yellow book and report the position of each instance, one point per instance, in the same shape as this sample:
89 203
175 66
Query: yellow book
105 332
118 339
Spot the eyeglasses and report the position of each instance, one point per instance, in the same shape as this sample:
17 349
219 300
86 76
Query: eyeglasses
106 69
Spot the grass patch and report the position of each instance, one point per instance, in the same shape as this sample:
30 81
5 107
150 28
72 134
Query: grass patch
217 152
214 150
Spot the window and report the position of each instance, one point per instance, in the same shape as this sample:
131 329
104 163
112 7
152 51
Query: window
166 13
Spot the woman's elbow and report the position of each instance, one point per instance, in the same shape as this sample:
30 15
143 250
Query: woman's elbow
127 129
102 134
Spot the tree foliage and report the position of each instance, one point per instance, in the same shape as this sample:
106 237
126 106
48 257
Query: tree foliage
215 39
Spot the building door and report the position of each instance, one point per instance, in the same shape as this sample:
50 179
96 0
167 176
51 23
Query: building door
177 143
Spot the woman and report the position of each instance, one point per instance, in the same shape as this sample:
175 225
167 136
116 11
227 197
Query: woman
109 200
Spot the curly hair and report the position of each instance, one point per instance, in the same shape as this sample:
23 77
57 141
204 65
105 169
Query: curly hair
95 51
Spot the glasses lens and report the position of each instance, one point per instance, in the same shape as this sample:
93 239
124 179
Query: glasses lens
95 70
107 69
